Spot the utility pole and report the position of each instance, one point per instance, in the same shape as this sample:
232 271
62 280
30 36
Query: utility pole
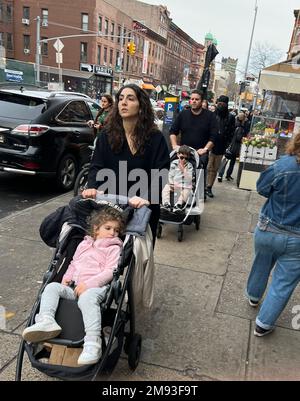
121 55
249 51
38 49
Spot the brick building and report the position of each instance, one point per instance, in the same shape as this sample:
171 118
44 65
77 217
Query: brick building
96 60
294 48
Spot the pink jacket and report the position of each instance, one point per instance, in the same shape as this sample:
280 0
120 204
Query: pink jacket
94 261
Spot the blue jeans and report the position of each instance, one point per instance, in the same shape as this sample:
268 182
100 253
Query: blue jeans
281 251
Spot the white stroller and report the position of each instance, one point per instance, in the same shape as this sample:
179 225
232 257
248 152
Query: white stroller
191 213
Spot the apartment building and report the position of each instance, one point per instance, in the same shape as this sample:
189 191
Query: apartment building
94 58
294 47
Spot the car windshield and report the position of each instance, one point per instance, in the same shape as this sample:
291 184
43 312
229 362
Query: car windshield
20 107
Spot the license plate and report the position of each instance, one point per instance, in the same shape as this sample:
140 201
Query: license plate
1 138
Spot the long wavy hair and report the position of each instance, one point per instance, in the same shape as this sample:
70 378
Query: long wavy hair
144 126
110 100
293 147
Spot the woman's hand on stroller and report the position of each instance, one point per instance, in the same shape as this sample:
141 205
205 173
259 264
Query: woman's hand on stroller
138 202
91 193
80 289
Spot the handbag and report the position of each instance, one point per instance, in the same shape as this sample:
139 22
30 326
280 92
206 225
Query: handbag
228 153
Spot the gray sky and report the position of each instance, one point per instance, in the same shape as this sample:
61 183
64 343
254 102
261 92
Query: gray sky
231 21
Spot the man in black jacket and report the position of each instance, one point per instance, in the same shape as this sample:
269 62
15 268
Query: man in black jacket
226 127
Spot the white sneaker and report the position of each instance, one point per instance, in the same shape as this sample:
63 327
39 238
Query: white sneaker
45 329
92 351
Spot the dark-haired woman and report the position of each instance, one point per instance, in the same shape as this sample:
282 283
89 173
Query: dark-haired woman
132 151
107 103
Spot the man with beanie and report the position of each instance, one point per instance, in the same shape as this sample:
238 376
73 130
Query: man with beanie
226 127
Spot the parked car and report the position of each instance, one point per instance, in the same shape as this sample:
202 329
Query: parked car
43 132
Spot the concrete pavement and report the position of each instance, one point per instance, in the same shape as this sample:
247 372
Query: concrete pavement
201 326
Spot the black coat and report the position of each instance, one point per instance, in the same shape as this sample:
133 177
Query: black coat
226 128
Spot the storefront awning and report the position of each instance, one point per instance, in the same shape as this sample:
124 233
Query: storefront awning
148 86
282 77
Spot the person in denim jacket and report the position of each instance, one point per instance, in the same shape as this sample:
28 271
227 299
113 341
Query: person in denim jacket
277 239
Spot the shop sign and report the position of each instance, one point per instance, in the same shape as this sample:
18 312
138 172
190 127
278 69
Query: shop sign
13 76
103 69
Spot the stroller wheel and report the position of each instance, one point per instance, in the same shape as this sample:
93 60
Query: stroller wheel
180 234
134 351
197 222
159 231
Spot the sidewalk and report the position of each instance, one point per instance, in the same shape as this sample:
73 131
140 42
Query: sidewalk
201 326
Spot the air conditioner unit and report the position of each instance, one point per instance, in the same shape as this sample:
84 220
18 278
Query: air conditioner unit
26 51
25 21
44 23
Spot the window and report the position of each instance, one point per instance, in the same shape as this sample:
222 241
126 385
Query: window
112 31
124 40
44 17
76 112
105 55
44 47
119 34
106 27
1 12
99 54
9 41
84 22
94 109
9 12
118 62
26 12
26 42
83 52
111 56
99 23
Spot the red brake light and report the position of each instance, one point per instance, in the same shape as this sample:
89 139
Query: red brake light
31 165
30 130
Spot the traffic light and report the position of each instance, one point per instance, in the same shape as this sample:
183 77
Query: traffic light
131 48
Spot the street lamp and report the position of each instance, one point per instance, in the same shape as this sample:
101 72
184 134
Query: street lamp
249 51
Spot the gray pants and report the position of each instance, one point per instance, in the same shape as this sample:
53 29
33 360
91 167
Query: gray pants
88 302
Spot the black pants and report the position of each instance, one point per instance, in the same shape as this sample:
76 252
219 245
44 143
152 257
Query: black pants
223 167
154 218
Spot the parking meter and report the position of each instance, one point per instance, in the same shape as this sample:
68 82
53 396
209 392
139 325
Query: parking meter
170 114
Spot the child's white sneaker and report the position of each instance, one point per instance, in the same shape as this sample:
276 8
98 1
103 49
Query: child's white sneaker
92 350
45 329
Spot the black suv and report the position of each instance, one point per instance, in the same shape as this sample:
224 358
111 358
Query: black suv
45 133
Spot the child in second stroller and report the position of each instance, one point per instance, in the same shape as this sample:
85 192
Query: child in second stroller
180 181
90 271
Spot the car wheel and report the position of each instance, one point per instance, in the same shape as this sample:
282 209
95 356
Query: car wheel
66 173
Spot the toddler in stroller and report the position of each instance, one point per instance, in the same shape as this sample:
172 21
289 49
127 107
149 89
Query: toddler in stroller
86 278
180 181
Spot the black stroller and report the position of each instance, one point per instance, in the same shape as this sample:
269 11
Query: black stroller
193 209
65 229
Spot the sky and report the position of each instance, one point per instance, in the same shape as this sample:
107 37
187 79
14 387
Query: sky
231 22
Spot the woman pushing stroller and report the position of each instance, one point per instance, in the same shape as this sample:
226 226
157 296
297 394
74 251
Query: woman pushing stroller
86 278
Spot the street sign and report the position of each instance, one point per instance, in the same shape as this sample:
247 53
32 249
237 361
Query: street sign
86 67
59 58
58 45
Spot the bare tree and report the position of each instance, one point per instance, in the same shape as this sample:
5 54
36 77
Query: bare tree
263 55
